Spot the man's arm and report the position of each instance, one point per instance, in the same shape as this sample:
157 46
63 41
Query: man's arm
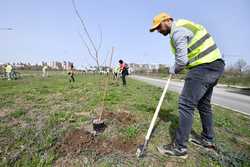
181 38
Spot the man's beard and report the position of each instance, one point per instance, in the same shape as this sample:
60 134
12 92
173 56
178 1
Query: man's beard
165 33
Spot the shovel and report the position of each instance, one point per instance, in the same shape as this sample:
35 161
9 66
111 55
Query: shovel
141 149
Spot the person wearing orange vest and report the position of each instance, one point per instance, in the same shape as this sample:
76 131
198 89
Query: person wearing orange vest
194 49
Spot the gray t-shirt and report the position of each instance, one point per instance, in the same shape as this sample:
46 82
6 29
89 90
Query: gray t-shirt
181 37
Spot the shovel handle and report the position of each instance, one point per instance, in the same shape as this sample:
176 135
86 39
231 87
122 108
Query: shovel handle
158 109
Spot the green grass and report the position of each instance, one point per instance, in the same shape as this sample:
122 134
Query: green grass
36 113
129 132
236 79
17 113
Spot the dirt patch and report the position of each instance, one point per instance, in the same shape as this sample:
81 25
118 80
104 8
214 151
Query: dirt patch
81 140
21 102
5 111
122 117
125 145
76 140
2 114
83 98
84 113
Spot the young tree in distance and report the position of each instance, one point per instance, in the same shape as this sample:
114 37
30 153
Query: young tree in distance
240 65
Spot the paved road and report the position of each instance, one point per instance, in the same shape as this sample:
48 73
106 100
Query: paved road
222 96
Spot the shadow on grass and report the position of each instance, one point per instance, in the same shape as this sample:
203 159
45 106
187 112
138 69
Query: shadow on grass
166 115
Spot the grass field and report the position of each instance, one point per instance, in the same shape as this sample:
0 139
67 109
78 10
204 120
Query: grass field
46 122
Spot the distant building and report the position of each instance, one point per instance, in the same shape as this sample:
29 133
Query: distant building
145 68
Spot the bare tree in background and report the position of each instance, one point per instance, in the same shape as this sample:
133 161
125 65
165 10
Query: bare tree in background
240 65
92 47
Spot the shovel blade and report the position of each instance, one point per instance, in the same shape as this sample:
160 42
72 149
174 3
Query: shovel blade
141 149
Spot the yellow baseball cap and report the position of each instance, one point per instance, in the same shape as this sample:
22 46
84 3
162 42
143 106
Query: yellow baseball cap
158 19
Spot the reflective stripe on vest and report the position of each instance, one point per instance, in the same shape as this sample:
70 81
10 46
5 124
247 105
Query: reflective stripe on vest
202 48
199 42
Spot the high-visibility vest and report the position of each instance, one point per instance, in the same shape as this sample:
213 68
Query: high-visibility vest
116 69
202 48
8 68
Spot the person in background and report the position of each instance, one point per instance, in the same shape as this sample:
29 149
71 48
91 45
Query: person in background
123 71
71 74
4 70
116 71
8 70
45 72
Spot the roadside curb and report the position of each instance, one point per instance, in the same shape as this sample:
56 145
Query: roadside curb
218 85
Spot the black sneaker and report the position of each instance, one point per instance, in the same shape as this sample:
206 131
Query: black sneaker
200 141
172 150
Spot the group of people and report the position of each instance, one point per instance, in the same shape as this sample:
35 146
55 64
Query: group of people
9 72
71 73
119 71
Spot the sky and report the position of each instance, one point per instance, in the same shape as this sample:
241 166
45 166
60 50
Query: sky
48 30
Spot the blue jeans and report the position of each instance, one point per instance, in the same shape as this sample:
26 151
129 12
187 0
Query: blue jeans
197 93
124 73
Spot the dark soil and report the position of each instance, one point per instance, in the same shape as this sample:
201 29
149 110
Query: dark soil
125 145
121 117
80 140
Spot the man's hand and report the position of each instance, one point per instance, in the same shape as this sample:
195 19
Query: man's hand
172 70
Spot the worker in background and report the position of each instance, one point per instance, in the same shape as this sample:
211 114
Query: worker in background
123 71
45 72
71 74
8 70
116 72
4 70
195 49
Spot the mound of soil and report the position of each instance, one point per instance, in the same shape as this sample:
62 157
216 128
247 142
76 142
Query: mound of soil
76 140
81 140
122 117
125 145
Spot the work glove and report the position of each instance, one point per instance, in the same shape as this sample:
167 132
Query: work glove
172 70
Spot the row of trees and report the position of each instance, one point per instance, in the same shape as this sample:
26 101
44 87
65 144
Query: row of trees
239 67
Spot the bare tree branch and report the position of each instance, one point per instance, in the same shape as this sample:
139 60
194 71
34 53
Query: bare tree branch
100 42
105 60
111 56
83 25
86 45
88 36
